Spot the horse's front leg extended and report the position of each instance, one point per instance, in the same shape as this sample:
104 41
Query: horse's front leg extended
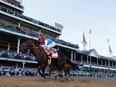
43 71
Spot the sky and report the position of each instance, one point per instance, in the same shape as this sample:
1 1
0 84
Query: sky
78 16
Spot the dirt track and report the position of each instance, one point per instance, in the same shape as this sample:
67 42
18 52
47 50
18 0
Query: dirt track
41 82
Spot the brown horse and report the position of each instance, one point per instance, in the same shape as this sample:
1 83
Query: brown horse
63 64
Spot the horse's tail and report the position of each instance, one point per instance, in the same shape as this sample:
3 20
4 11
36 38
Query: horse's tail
74 65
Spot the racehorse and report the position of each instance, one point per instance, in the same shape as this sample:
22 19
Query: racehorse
42 58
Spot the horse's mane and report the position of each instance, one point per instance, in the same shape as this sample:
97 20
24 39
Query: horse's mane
34 44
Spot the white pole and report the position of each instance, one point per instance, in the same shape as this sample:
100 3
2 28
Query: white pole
72 56
109 49
8 46
90 32
108 41
18 45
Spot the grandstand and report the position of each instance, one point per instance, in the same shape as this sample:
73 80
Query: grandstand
15 28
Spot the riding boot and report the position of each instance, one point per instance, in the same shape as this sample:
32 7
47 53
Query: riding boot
50 55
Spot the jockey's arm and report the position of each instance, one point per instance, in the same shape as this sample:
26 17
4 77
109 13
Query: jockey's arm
45 44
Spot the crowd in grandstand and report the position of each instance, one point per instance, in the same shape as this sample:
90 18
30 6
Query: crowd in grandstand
32 33
15 3
17 71
29 56
29 19
14 55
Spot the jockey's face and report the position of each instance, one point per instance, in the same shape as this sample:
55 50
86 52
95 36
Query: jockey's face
40 40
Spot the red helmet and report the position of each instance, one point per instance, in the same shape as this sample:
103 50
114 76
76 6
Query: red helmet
41 37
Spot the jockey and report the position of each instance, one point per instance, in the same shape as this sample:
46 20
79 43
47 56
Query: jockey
48 44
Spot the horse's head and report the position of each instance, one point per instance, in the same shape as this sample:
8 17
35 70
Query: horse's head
30 44
26 45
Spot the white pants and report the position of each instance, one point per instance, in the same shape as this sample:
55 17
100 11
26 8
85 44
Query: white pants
54 55
49 46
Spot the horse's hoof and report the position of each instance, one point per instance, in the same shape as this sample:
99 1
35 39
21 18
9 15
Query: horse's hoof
44 77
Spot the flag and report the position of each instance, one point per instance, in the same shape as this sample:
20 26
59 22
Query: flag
90 31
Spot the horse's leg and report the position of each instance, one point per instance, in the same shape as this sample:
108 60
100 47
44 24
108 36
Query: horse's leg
67 71
49 73
43 71
39 71
53 72
68 74
56 77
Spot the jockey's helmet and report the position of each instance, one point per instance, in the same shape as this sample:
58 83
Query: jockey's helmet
41 38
